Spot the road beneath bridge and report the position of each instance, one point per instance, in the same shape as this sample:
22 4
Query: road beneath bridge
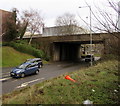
48 72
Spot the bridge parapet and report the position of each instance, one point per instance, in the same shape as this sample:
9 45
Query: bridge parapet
71 38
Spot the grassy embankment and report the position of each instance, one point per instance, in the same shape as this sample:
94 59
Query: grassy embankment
98 84
11 57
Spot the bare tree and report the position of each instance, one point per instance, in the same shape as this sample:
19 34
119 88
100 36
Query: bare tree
34 20
66 19
22 29
12 26
67 24
106 22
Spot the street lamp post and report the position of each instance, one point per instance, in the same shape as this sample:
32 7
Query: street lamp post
91 62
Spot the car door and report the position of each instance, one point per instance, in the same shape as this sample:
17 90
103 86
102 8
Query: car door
31 69
36 63
39 63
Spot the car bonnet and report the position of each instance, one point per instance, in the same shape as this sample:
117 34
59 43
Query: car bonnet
16 69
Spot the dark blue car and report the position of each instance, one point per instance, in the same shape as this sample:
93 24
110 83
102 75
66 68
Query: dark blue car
25 69
38 61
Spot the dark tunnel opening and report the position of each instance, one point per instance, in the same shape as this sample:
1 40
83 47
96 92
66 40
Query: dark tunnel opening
67 51
70 51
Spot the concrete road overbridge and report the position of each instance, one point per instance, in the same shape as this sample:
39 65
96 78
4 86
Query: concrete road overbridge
67 47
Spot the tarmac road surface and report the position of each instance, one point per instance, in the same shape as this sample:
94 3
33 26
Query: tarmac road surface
47 72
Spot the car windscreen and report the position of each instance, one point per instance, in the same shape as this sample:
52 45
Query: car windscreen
22 66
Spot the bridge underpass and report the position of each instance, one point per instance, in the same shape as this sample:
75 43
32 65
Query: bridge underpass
69 51
67 47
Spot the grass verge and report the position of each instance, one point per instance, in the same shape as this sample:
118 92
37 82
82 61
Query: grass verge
11 57
98 84
25 48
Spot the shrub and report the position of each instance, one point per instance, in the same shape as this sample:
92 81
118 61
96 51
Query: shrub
25 48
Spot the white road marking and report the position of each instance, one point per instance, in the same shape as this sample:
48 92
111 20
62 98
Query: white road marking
14 80
5 73
5 79
58 65
26 83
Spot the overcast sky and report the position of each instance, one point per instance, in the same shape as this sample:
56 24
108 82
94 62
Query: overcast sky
50 9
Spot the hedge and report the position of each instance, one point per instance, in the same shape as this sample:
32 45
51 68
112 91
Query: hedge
25 48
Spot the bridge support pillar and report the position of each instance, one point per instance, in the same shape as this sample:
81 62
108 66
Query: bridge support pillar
56 52
106 46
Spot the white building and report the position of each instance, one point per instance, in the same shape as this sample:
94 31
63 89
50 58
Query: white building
63 30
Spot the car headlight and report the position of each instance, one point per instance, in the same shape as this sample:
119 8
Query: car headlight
18 71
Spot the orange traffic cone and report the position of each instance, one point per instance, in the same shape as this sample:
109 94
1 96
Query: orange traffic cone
68 78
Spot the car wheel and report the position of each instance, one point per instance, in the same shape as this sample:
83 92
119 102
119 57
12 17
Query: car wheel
22 75
40 66
36 72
